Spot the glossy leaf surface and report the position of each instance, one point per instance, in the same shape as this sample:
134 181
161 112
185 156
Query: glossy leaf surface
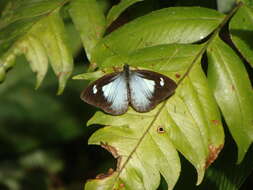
165 26
232 89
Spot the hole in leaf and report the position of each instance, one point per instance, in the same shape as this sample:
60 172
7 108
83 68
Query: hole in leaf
110 148
160 129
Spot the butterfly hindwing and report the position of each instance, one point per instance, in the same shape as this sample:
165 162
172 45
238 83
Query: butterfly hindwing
148 88
108 93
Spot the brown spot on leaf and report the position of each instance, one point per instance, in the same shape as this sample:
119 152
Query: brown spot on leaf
98 30
177 75
160 129
233 88
122 185
110 148
213 154
24 49
216 122
102 175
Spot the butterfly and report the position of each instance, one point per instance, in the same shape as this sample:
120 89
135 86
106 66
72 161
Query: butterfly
141 89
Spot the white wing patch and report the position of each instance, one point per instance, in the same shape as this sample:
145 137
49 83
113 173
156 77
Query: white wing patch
141 91
115 93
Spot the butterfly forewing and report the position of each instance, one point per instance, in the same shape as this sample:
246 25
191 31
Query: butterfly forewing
148 88
108 93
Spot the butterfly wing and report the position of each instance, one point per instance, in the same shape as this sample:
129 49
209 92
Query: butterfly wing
148 88
108 93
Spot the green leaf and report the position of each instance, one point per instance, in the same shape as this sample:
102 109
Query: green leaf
19 16
20 9
89 76
241 31
247 2
36 55
7 61
89 21
165 26
116 10
104 181
143 165
75 44
104 5
51 32
186 122
160 58
232 90
35 29
11 33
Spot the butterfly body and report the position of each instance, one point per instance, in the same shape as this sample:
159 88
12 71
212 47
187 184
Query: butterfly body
141 89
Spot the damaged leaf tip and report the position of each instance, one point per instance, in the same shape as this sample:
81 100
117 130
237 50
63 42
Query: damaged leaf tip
213 154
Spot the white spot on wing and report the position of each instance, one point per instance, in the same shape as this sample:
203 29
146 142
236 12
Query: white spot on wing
161 81
94 89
